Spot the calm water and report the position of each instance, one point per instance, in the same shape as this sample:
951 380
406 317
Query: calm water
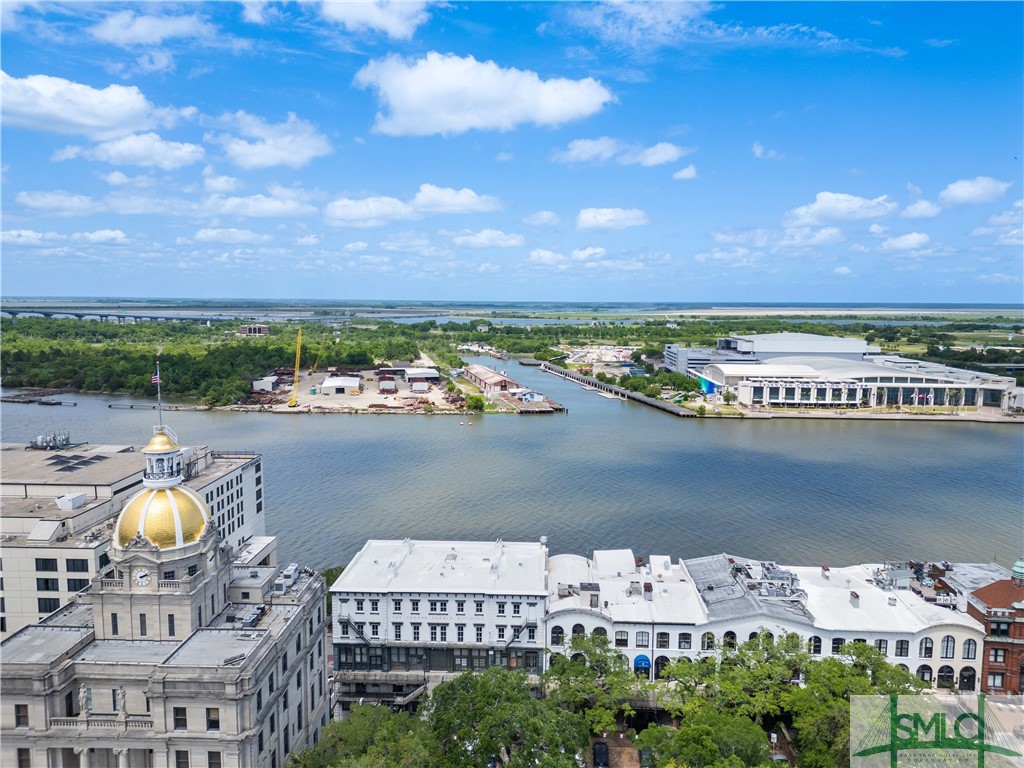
608 475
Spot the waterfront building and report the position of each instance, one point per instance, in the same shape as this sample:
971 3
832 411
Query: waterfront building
406 613
183 652
59 501
656 611
488 380
995 597
808 370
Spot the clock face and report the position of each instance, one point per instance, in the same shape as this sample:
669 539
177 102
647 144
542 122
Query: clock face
141 576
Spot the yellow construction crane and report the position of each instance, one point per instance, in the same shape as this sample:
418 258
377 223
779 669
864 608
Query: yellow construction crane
295 382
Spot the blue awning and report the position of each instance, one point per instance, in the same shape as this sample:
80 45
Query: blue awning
641 662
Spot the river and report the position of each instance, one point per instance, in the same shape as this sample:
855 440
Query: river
608 474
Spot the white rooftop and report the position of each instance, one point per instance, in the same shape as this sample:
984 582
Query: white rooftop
472 567
829 600
802 343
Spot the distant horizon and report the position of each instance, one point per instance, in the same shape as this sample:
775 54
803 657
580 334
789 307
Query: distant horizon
455 303
864 153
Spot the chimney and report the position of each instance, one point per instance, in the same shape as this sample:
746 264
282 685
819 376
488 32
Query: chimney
854 599
825 572
648 591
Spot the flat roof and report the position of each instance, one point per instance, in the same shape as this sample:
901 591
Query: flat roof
42 643
803 342
126 651
829 600
216 647
774 369
473 567
86 464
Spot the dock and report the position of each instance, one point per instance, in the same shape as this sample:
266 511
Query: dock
618 392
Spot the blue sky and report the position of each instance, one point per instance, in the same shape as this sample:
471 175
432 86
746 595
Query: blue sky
514 151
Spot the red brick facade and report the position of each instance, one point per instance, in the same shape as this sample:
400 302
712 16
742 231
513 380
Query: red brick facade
1003 617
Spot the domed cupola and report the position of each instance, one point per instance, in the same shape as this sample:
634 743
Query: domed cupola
165 513
1017 574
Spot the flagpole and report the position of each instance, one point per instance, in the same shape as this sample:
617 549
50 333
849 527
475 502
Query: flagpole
159 403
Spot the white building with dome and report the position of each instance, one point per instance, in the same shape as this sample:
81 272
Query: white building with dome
185 652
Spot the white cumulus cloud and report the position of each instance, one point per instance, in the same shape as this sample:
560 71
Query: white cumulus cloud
280 202
908 242
542 219
983 189
606 148
30 238
610 218
143 149
684 174
397 20
293 143
542 257
101 237
921 209
448 94
843 270
761 153
230 236
367 212
489 238
126 29
434 199
839 206
44 103
582 254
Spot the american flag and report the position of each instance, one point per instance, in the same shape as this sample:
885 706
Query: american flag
156 377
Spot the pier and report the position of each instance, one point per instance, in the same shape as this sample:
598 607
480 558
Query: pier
625 394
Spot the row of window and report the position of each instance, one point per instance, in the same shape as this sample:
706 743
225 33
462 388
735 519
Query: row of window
143 629
71 564
435 606
439 632
53 585
181 719
684 641
182 757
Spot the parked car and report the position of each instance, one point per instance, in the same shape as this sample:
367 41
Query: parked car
601 755
646 759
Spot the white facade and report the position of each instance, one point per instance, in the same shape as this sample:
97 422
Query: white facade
656 611
407 612
57 508
399 607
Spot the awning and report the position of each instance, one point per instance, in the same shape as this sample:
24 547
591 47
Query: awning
641 662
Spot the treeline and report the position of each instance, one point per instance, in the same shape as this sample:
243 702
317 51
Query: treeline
723 708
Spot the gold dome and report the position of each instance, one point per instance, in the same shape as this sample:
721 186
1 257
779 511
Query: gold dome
161 443
168 517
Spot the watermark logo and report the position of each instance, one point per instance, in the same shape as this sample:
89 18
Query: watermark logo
928 731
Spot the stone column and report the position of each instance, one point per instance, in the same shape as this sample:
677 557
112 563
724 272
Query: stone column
123 760
84 757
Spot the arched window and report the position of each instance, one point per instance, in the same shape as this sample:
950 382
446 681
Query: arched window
924 672
967 678
945 677
684 641
578 657
578 630
904 667
729 639
707 642
600 632
948 648
970 650
659 664
925 650
814 646
557 636
662 640
769 637
752 636
837 643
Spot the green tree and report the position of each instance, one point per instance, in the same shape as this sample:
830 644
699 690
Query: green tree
371 737
594 680
493 715
708 739
476 402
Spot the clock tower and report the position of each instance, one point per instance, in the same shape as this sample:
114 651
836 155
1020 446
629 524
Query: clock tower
169 570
